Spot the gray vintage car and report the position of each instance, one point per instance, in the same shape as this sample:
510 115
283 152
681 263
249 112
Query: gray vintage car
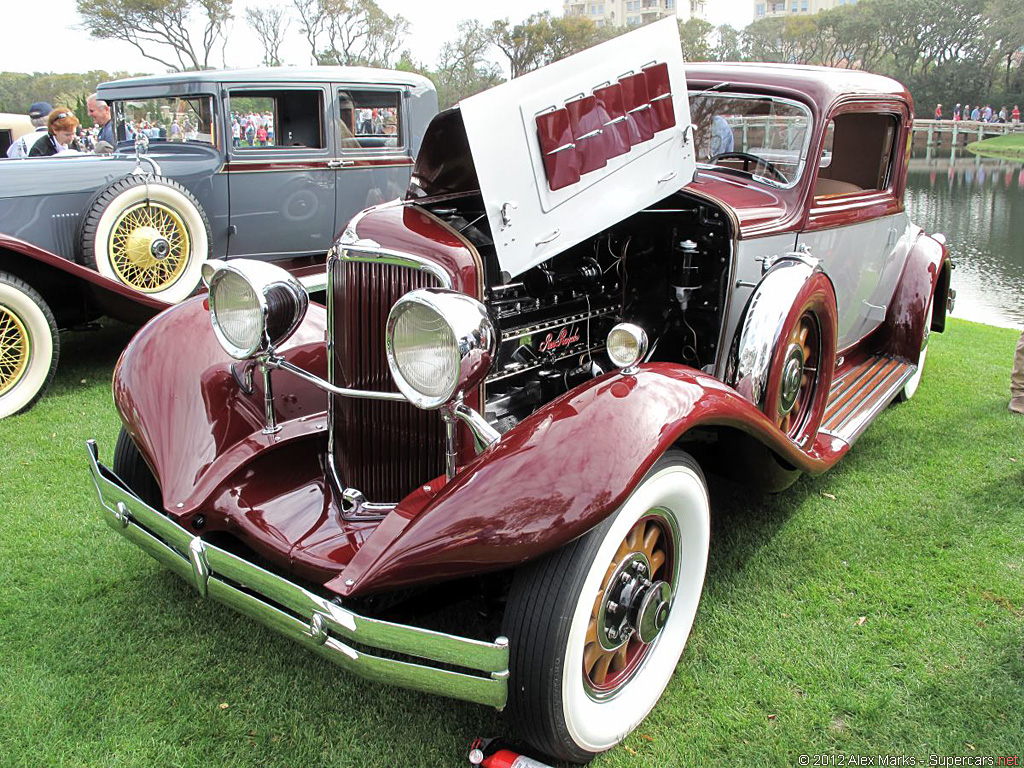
267 164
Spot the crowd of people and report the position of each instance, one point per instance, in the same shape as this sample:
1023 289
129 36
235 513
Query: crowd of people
252 129
58 131
981 114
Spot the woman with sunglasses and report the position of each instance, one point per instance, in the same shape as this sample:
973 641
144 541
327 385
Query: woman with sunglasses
60 133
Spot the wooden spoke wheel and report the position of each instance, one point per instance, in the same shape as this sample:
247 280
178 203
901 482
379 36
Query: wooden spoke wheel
596 628
799 375
614 647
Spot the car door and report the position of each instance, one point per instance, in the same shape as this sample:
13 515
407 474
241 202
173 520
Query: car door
281 178
856 224
374 159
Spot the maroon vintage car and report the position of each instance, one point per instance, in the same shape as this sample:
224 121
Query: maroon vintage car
608 277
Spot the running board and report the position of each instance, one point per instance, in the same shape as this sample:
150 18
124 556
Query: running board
861 393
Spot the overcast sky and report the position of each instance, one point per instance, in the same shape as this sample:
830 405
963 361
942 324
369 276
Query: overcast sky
60 47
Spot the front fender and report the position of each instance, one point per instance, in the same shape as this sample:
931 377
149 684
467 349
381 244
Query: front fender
106 290
183 407
557 474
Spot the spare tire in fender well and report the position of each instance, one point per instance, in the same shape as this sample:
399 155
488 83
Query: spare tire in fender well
149 233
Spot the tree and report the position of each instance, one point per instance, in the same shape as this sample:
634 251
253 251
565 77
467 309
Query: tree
524 45
571 34
269 24
313 14
161 30
695 39
727 47
351 32
18 90
462 65
1008 36
542 39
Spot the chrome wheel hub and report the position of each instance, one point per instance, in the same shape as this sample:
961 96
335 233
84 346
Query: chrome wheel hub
653 613
792 378
633 604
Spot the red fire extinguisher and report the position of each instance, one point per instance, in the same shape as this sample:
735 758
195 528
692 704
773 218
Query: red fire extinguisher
488 753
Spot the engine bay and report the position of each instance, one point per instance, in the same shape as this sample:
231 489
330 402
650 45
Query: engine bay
665 269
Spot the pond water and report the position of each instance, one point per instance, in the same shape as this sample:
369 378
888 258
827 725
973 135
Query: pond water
979 206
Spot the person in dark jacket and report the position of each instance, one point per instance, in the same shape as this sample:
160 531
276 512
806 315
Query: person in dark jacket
60 133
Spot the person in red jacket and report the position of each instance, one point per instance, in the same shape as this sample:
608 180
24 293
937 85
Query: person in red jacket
938 111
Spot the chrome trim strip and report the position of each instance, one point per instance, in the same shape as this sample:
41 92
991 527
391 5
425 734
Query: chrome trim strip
372 252
558 323
314 282
303 616
854 425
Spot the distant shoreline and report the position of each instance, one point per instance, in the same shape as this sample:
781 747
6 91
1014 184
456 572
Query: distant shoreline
1008 147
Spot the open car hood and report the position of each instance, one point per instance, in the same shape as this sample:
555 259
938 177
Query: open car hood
565 151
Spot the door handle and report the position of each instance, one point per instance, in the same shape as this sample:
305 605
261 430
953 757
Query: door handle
340 163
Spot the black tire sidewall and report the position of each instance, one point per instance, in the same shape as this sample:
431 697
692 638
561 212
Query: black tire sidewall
131 467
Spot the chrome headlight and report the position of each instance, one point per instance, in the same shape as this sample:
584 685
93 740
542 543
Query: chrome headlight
439 343
254 306
627 345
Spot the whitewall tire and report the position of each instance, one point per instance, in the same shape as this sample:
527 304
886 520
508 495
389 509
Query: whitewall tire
148 233
596 628
29 345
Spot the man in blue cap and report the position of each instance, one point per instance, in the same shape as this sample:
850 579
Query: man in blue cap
37 113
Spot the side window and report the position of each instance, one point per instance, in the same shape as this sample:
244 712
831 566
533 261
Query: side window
858 154
277 119
370 119
171 118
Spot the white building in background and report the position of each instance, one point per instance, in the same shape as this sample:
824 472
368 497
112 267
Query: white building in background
633 13
768 8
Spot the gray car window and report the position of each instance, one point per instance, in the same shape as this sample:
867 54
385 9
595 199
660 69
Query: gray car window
370 119
268 119
171 118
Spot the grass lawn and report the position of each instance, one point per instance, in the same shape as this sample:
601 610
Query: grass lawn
878 609
1009 146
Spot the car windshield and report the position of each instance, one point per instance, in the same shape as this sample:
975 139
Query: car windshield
170 118
760 136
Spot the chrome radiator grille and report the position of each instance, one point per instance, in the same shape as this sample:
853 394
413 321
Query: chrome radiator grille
382 448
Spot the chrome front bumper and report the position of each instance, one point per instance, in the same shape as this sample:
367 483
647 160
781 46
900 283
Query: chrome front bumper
303 616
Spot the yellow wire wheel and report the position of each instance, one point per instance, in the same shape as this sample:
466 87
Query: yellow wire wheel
15 349
149 247
29 345
148 233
